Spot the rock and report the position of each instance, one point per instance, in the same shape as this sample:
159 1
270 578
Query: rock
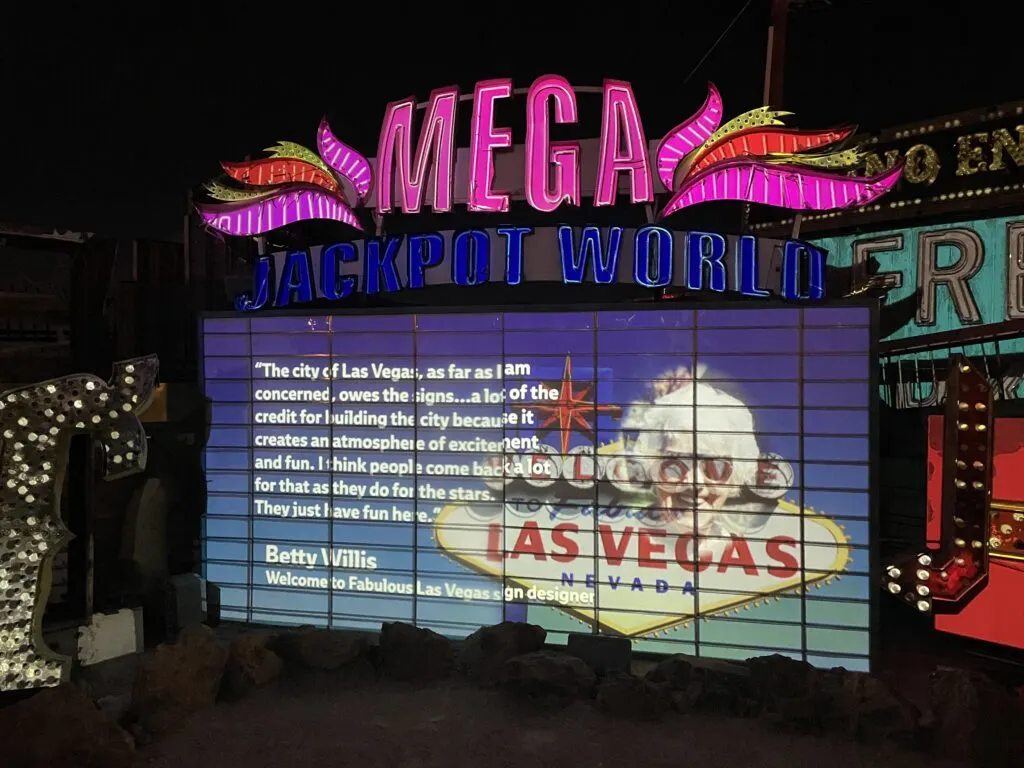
116 706
414 653
724 687
780 677
712 685
548 675
789 691
318 650
867 709
251 664
674 672
864 708
178 679
977 720
799 697
483 654
62 728
633 697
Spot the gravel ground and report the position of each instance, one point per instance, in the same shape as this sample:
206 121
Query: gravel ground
454 725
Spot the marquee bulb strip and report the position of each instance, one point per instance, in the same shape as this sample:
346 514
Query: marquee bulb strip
946 579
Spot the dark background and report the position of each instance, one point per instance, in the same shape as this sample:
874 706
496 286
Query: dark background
113 111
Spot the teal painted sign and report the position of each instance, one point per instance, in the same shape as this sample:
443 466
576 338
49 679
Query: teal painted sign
966 275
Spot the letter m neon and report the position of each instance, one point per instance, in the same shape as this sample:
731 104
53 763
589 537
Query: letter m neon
401 173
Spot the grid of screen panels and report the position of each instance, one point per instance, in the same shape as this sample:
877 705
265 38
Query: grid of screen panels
697 480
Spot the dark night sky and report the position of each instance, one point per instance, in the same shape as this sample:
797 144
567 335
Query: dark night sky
110 116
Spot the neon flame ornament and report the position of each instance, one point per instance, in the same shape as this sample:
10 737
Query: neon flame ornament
688 136
293 184
753 159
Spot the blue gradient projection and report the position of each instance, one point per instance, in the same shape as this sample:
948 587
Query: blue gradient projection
696 480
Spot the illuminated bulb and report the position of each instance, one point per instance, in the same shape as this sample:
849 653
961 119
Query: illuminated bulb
960 560
924 560
962 405
894 572
961 484
962 426
923 575
995 542
965 369
923 606
894 587
978 465
960 542
977 485
980 407
979 427
1006 529
958 522
961 464
1018 517
943 575
977 544
922 590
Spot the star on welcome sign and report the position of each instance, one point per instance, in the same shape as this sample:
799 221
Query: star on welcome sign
569 412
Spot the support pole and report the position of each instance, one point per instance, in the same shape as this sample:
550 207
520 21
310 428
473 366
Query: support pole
775 64
774 69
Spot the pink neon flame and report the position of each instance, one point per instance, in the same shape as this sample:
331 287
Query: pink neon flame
484 138
782 186
277 210
688 135
623 147
344 160
546 158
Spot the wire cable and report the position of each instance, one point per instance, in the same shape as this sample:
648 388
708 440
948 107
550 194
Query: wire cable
718 41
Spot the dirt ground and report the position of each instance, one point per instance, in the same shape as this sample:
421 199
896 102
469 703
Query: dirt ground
453 725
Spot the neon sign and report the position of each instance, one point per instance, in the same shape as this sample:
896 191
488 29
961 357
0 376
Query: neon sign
650 257
752 158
